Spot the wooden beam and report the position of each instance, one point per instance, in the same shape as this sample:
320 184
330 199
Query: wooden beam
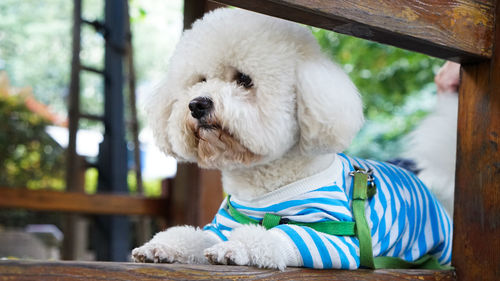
476 234
73 162
66 271
476 242
476 238
457 30
102 204
195 9
195 196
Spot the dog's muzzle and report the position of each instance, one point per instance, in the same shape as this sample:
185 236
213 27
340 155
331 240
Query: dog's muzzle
200 107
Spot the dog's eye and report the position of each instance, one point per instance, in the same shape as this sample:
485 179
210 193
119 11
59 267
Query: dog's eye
202 79
244 80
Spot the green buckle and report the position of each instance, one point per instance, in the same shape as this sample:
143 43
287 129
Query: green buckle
269 221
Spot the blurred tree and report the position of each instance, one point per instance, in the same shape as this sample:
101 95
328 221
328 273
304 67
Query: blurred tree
35 49
28 156
396 85
35 46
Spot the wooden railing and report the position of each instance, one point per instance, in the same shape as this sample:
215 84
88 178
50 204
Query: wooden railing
460 31
69 271
98 204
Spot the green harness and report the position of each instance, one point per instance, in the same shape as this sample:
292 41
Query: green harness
364 188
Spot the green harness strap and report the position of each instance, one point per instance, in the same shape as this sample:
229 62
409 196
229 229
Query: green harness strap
362 191
425 262
360 194
341 228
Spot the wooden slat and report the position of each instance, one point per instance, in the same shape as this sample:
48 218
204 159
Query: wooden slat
92 69
476 241
195 9
66 271
195 195
458 30
105 204
476 234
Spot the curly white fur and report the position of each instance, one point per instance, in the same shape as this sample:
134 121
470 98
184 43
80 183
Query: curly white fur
253 245
300 111
182 244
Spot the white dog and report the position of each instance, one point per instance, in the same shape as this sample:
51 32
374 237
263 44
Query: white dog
432 146
253 96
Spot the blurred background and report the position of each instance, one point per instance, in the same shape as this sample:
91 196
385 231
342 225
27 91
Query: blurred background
60 195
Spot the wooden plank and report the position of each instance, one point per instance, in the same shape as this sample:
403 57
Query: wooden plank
476 241
195 9
477 196
66 271
457 30
211 196
195 196
102 204
183 195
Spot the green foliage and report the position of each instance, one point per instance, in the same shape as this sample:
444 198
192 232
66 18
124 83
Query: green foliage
91 179
35 50
152 188
28 156
35 46
396 86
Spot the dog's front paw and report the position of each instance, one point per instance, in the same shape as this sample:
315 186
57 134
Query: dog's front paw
154 252
230 252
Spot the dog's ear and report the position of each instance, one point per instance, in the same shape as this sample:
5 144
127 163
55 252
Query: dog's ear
158 108
329 108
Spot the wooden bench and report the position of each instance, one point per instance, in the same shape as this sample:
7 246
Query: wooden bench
464 31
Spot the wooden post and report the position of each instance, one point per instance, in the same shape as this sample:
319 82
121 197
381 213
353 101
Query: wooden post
114 232
476 241
195 196
75 225
73 161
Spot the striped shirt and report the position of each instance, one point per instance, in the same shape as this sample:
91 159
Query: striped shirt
405 219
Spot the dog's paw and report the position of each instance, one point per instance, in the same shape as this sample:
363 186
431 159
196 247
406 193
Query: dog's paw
229 252
154 252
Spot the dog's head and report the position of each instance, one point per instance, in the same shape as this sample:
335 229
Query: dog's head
244 89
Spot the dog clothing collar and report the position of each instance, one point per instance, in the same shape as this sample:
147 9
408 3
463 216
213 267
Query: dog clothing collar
332 174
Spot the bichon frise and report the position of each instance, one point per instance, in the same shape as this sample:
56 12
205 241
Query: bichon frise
253 96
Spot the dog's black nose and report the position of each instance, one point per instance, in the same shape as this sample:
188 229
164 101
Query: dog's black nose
200 107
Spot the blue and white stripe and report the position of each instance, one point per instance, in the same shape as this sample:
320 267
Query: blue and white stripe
405 219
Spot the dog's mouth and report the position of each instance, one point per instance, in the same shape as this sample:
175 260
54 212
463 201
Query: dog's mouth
216 147
204 126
